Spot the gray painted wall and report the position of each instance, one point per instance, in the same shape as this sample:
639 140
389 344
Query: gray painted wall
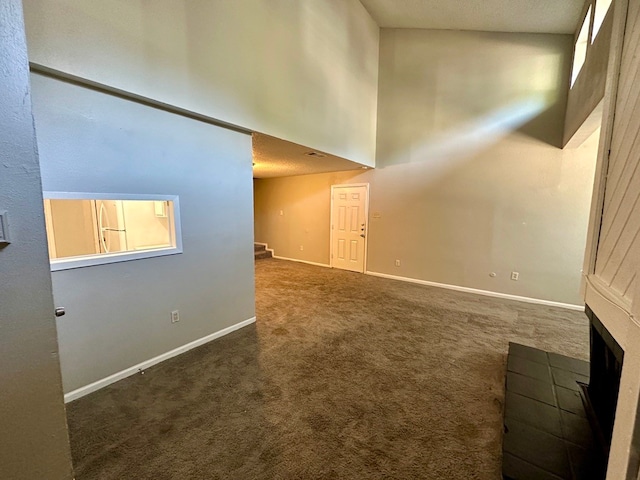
470 179
118 315
302 70
33 438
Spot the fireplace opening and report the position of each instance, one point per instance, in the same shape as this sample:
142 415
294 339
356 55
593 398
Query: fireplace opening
606 357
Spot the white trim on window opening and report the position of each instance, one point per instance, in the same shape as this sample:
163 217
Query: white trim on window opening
103 257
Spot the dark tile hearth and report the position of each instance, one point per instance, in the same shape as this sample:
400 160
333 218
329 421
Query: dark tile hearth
570 401
531 388
529 444
546 431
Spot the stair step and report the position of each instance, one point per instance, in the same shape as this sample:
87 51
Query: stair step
263 254
259 248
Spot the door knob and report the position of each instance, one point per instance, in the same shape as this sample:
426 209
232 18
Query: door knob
59 312
362 235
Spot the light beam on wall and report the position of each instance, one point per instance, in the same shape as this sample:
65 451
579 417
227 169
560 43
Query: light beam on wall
448 149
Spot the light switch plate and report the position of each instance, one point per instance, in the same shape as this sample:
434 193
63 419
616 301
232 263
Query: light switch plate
4 228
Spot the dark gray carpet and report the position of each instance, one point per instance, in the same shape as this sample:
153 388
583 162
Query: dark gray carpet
344 376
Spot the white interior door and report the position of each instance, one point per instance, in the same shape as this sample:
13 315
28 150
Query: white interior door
349 226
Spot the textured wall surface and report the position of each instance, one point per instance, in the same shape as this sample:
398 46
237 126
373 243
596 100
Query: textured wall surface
33 437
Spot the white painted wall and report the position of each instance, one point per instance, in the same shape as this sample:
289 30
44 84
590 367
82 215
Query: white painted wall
301 70
33 430
470 179
119 314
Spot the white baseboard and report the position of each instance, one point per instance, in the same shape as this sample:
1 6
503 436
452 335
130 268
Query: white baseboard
486 293
303 261
92 387
273 254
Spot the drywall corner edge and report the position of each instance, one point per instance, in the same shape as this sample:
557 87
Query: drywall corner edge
127 372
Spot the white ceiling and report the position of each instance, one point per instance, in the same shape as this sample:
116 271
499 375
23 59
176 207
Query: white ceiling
525 16
273 157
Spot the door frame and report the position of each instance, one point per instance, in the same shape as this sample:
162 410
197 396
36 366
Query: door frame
366 216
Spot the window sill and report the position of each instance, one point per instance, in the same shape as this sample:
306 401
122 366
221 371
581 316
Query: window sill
104 259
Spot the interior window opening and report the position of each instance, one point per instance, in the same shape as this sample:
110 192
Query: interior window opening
602 8
580 51
92 231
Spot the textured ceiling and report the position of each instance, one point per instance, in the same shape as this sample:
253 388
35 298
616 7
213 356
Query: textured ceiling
526 16
273 157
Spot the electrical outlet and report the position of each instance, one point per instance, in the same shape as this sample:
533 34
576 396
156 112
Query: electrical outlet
397 263
175 316
301 248
515 275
